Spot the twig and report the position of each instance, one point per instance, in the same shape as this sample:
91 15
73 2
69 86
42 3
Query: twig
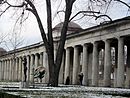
83 12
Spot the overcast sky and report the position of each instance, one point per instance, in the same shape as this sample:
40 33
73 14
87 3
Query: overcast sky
30 31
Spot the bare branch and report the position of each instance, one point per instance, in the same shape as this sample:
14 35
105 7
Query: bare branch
4 11
17 21
84 12
79 18
123 3
25 18
10 5
31 4
103 16
21 5
34 11
60 11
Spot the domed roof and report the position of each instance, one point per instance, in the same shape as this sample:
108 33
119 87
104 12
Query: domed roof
2 51
71 27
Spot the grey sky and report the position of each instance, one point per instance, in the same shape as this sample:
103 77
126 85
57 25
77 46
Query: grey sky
30 31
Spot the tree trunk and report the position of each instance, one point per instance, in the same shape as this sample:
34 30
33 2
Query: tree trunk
53 76
54 66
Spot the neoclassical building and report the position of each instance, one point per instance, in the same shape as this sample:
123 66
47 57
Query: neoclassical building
101 53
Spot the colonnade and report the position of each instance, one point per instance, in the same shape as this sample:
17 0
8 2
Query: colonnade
83 58
11 69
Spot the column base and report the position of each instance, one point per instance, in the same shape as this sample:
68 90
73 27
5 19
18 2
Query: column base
24 85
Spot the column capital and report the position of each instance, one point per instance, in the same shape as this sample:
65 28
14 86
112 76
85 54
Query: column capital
120 38
28 56
31 54
67 48
95 43
107 40
36 53
76 46
41 53
85 44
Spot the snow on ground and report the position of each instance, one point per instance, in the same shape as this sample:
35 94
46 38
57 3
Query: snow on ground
75 90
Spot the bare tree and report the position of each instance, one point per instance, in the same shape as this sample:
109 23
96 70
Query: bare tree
14 40
2 38
28 5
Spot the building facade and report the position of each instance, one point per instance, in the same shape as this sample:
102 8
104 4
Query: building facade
101 53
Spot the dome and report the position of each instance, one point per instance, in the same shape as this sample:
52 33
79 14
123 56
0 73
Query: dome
2 51
72 27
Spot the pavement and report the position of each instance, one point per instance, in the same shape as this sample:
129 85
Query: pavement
15 87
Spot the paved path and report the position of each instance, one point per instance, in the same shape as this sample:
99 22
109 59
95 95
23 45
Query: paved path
66 89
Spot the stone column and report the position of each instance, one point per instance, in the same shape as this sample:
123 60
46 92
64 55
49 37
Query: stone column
28 68
120 68
61 73
75 65
8 70
36 64
13 68
20 69
45 63
16 70
107 64
0 70
67 64
32 69
36 60
5 70
2 67
90 68
41 59
85 64
95 65
115 67
127 82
